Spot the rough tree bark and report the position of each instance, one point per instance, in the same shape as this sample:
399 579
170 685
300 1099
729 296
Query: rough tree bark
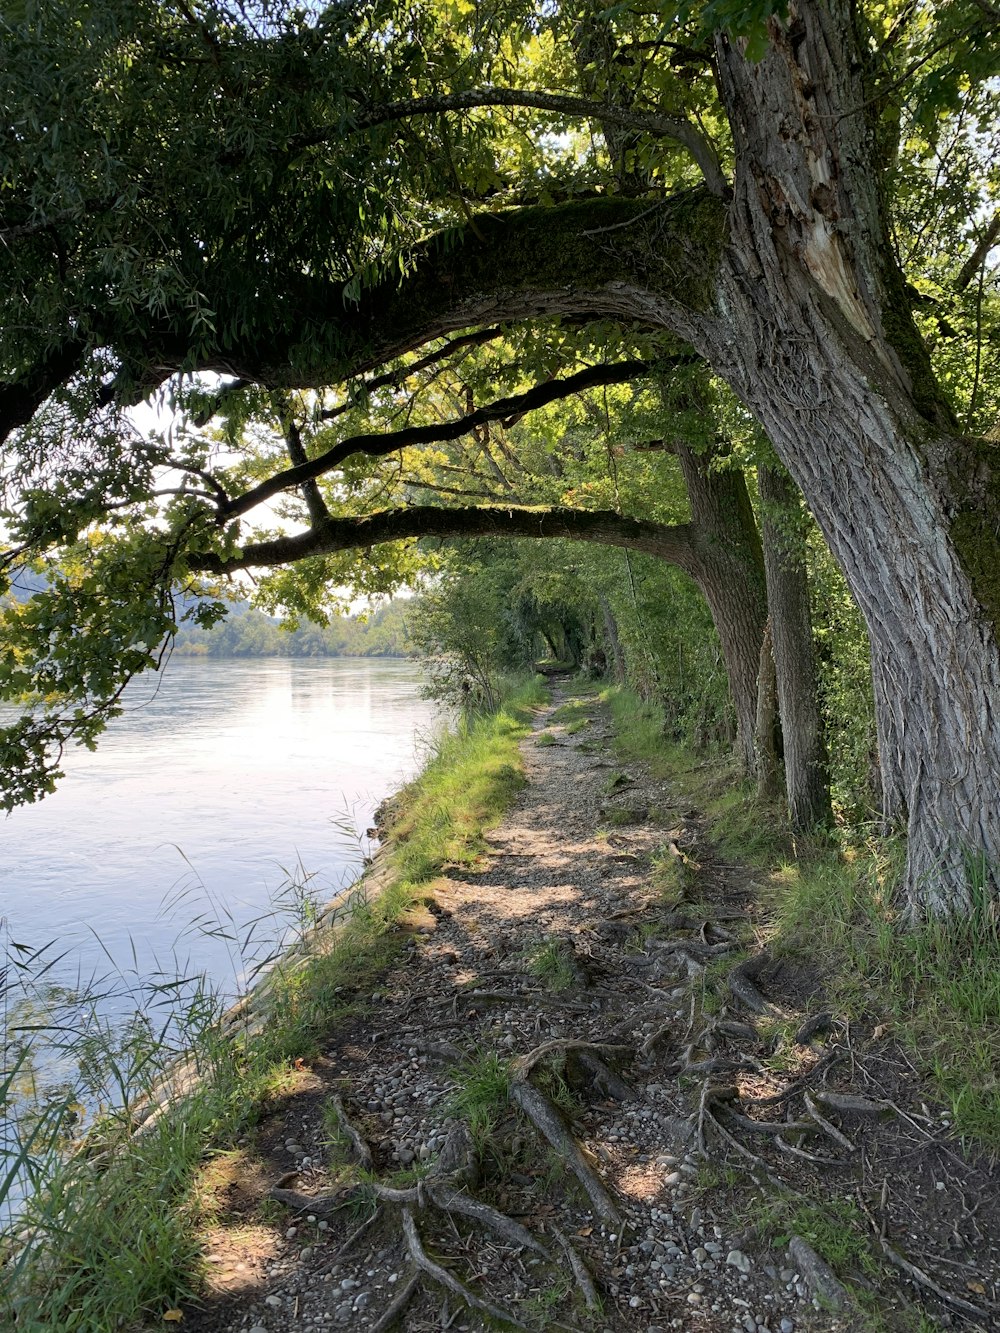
806 768
768 769
612 640
730 574
820 344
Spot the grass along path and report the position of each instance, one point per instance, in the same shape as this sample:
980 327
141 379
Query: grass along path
576 1091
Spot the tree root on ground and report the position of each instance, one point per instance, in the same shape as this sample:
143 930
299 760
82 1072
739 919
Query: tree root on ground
399 1304
448 1280
362 1153
546 1119
581 1273
445 1190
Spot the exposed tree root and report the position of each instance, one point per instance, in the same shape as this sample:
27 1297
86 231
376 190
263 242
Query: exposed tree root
656 1036
399 1304
706 1120
741 984
923 1279
581 1273
831 1130
453 1201
524 1064
604 1079
357 1233
818 1276
847 1104
361 1150
546 1119
448 1280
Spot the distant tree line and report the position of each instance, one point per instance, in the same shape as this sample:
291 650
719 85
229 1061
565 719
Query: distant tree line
246 632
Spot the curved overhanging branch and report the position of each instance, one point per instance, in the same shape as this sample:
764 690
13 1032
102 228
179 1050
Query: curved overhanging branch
675 543
378 445
681 131
640 263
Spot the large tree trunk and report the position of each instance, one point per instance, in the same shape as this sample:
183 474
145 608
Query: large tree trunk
806 768
820 344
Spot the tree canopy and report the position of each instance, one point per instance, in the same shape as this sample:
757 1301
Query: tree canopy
391 272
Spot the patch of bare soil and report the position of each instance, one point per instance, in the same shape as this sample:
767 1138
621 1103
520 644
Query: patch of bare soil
582 1103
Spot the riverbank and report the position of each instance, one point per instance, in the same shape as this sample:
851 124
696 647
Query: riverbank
115 1231
565 1085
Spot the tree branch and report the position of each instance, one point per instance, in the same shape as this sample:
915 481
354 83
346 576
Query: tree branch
985 245
378 445
20 399
395 377
667 127
658 270
675 543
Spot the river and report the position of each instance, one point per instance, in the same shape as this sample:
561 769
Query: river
223 784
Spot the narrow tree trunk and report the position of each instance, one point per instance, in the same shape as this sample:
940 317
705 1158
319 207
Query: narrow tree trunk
730 573
768 769
611 638
806 768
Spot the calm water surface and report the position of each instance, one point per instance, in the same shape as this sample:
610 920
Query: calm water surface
221 781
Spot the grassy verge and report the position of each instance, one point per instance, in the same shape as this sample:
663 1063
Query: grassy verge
936 987
111 1238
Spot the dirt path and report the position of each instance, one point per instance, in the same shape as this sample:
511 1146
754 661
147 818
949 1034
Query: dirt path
565 1102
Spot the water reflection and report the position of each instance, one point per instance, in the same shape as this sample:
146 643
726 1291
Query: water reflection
220 781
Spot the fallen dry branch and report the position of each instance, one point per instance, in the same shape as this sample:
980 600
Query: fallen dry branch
449 1281
546 1119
